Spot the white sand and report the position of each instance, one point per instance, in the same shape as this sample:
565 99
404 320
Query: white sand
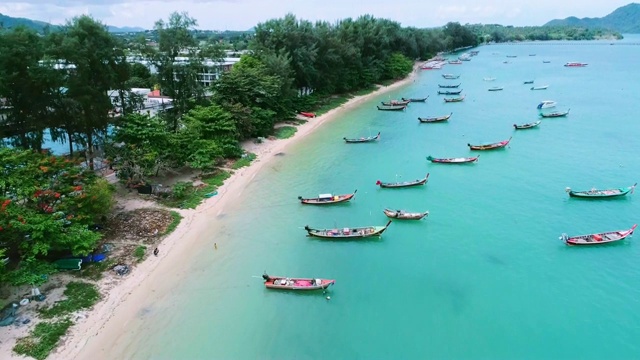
93 336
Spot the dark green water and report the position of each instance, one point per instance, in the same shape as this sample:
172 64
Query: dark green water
483 277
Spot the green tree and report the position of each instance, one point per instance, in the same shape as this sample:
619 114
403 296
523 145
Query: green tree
94 64
26 87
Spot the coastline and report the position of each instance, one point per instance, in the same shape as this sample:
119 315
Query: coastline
105 325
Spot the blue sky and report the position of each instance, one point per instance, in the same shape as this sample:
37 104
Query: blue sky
244 14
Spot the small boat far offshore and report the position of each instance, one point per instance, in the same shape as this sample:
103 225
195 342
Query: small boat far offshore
601 193
599 238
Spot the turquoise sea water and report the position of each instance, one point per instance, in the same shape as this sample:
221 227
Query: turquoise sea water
483 277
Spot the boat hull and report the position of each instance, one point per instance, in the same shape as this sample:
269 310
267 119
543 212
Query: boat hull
402 215
298 284
362 140
601 194
326 200
435 119
403 184
599 238
347 233
468 160
498 145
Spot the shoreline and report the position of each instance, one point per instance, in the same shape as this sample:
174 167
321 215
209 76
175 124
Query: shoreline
105 324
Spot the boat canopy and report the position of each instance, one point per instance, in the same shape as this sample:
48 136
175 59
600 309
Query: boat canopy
325 196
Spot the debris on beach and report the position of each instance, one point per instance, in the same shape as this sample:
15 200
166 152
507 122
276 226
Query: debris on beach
139 224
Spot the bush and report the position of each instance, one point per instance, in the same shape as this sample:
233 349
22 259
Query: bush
139 252
42 339
80 295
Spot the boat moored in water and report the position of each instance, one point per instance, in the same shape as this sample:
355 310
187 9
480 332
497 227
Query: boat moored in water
450 76
452 100
498 145
416 99
546 104
395 102
527 126
287 283
495 88
598 238
392 108
575 64
404 215
403 183
543 87
347 233
555 114
459 160
363 139
601 193
449 86
435 119
326 199
449 92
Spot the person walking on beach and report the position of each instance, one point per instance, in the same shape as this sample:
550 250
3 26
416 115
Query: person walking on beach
156 251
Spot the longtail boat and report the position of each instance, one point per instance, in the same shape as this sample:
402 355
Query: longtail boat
395 102
451 100
528 82
308 114
287 283
602 193
404 183
392 108
459 160
363 139
555 114
347 233
495 88
450 76
527 126
435 119
448 86
416 100
449 92
492 146
404 215
599 238
326 199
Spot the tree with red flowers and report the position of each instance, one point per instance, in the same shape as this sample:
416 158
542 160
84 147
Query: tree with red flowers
47 204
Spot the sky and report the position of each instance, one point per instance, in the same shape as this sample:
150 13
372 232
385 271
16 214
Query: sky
244 14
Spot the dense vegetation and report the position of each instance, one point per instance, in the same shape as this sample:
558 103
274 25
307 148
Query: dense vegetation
625 19
500 33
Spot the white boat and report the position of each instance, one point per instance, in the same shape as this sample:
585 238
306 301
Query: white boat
544 87
489 79
546 104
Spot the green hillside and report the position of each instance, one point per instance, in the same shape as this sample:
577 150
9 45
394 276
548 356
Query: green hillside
625 19
8 22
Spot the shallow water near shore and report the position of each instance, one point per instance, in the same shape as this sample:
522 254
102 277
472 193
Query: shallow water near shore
484 276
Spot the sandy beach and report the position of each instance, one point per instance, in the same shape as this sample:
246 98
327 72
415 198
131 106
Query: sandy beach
96 331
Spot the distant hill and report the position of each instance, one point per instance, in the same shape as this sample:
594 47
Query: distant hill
8 22
115 29
625 20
